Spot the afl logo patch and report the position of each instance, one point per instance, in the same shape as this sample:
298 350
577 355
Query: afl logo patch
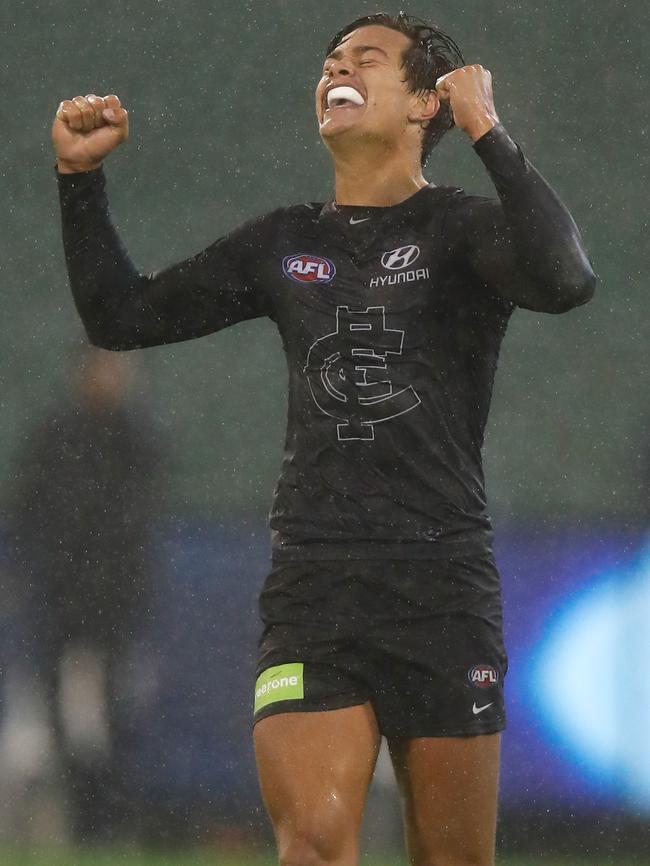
483 676
402 257
304 268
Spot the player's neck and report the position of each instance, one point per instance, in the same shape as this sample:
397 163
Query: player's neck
381 182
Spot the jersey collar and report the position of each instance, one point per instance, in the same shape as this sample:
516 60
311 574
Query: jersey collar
364 236
343 213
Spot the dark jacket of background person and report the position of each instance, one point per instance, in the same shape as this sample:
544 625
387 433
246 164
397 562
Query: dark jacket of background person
87 490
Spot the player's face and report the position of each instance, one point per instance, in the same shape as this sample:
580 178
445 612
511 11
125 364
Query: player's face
363 91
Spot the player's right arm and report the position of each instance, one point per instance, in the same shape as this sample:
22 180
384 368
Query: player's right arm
120 307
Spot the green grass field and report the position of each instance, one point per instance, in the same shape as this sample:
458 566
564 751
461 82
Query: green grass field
213 858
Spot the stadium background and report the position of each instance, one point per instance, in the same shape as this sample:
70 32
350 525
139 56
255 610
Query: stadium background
220 98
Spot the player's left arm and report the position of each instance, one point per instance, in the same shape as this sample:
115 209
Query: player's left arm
525 246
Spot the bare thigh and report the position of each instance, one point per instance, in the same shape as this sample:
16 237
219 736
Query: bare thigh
449 792
314 771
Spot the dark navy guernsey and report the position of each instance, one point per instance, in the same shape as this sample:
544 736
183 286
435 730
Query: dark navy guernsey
391 319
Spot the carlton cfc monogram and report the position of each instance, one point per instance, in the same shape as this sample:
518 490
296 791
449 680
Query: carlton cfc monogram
348 374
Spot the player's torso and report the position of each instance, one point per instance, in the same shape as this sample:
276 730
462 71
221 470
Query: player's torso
390 363
373 319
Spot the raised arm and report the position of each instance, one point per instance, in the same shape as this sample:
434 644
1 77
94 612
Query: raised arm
525 246
120 307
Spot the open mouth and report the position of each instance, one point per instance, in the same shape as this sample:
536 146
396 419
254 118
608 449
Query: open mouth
343 97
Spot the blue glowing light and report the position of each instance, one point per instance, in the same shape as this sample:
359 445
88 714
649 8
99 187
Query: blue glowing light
591 680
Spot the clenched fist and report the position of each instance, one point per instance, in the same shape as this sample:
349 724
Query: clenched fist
469 93
86 129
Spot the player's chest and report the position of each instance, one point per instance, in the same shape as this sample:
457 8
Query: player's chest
311 278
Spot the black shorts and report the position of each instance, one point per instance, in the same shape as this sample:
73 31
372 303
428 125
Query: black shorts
420 639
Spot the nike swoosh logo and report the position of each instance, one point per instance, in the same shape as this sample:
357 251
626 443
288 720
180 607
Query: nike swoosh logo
476 710
353 222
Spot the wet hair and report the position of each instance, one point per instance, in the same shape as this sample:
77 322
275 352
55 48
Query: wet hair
432 53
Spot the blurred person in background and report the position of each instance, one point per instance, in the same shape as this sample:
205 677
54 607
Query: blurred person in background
86 495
